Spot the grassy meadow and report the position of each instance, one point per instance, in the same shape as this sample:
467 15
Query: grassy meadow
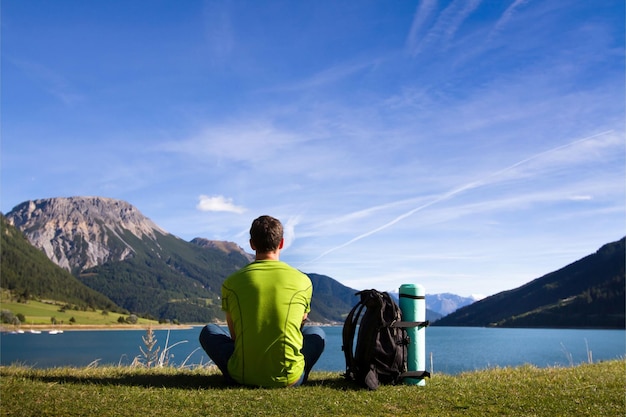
584 390
41 313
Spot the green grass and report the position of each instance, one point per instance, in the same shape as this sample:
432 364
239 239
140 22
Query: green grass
584 390
38 312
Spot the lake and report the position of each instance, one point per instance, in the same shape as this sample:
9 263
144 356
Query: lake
452 349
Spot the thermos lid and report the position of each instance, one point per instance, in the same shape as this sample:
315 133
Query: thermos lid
412 289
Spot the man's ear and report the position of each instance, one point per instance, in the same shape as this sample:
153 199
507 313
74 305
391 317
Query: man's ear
282 243
252 245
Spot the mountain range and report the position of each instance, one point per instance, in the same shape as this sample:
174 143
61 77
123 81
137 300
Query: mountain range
588 293
109 248
440 305
447 303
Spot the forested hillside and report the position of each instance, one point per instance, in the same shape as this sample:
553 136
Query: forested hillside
331 300
586 293
167 278
27 272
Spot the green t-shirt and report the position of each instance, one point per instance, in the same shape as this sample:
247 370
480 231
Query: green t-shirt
267 301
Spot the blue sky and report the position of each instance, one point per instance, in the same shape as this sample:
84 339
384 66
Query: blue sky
469 146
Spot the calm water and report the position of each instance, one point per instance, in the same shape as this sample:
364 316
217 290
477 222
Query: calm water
453 349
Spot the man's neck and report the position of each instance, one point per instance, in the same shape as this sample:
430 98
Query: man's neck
267 256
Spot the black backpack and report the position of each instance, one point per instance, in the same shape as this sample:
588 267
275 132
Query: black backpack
380 356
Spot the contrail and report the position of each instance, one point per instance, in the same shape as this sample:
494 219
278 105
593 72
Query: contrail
472 185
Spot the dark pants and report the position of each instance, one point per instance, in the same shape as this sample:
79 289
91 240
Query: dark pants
218 345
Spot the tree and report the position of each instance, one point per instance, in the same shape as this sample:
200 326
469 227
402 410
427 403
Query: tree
7 316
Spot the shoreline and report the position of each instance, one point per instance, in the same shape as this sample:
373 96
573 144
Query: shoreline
26 328
81 327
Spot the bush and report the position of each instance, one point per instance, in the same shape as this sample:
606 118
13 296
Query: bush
7 316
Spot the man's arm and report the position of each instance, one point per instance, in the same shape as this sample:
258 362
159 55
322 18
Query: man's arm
231 327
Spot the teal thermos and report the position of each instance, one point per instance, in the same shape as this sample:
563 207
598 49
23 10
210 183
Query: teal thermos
413 306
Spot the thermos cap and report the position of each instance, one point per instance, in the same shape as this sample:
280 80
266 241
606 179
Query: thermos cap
412 289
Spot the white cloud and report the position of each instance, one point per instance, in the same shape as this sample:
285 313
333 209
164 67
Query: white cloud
246 140
581 198
218 203
507 15
423 12
444 28
289 232
219 32
490 198
54 83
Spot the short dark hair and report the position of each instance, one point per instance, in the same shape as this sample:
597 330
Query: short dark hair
266 233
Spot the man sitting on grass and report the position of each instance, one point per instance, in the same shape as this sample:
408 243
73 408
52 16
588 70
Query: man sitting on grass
266 304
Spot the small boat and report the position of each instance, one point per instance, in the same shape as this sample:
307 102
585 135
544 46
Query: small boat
33 331
55 332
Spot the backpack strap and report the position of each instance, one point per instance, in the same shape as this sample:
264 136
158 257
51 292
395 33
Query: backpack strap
407 324
415 374
348 332
375 302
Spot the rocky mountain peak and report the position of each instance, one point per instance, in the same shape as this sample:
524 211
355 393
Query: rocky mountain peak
224 246
82 232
